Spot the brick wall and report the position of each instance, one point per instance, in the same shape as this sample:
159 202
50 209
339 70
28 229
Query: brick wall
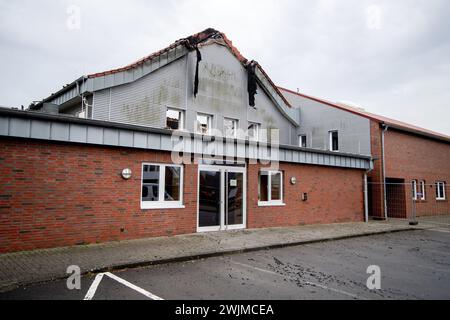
411 157
334 195
57 194
408 157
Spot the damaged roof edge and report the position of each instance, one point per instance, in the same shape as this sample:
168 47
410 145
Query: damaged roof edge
60 92
94 82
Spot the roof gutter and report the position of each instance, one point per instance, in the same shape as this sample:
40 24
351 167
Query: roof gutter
107 124
71 85
418 132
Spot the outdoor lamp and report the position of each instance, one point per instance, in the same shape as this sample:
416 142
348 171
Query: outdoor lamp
126 173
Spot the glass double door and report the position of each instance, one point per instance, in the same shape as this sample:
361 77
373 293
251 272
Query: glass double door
221 198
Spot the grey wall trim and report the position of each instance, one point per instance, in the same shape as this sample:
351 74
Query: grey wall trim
291 114
34 125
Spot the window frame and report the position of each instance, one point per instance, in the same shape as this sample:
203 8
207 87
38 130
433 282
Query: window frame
258 127
269 201
330 138
300 140
236 124
161 203
414 189
422 190
438 195
181 126
209 123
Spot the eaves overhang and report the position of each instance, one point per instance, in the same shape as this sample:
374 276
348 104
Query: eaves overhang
49 127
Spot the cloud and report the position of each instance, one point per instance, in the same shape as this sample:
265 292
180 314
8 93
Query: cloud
391 57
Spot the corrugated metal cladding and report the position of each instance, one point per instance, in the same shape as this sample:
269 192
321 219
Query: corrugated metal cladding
317 119
85 131
144 102
72 93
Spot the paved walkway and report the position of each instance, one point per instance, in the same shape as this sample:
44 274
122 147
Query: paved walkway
49 264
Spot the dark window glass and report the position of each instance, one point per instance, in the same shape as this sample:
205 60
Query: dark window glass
276 186
150 183
263 186
303 141
209 199
440 190
173 119
172 184
334 141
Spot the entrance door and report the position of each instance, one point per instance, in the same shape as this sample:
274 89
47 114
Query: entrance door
221 202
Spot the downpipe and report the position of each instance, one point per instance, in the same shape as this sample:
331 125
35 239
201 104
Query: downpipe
385 128
366 196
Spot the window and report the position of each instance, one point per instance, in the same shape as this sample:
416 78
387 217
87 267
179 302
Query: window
302 141
440 190
82 114
230 127
334 141
270 188
174 119
253 131
414 189
422 190
204 123
162 186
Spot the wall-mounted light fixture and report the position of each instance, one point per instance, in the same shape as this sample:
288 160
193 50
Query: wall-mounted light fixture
304 196
293 180
126 174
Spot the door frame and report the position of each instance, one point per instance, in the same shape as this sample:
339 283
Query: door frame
222 169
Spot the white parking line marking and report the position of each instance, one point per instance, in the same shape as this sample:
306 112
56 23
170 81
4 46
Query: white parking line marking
91 292
134 287
307 282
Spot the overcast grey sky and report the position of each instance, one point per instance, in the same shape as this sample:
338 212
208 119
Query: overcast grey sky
391 57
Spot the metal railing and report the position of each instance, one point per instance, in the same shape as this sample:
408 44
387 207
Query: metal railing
414 201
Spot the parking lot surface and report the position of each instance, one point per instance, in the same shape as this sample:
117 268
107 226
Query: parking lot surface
413 265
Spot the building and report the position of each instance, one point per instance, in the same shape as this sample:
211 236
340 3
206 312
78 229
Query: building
197 138
414 162
192 138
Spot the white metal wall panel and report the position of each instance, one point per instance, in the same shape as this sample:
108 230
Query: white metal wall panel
144 102
101 105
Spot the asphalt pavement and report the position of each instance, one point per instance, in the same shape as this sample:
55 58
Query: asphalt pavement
413 265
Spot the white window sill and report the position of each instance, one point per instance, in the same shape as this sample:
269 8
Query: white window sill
270 204
441 199
160 205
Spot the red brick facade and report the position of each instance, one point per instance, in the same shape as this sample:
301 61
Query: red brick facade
60 194
410 157
333 195
376 207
